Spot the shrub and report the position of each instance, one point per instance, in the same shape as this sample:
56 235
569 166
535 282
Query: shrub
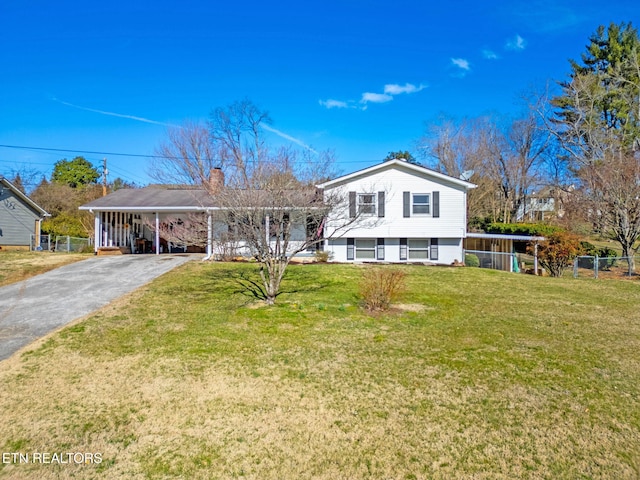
322 256
471 260
531 229
64 225
557 252
587 249
606 256
380 286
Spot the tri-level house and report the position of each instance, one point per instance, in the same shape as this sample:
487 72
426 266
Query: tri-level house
402 212
394 211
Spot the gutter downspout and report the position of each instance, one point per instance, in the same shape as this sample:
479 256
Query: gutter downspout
97 230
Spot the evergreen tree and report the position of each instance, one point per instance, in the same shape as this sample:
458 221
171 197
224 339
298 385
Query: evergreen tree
75 173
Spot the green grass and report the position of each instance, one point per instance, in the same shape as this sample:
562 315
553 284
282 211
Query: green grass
477 374
16 266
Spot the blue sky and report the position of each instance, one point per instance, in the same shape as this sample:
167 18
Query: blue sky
361 78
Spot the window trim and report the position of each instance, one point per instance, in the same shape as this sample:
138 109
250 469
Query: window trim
360 249
427 204
373 205
426 249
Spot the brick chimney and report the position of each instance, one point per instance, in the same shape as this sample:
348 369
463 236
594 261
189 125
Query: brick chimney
216 180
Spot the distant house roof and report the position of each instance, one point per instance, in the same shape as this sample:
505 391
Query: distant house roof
402 164
4 183
153 199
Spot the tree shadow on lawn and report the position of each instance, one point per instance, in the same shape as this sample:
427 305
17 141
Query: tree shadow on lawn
245 280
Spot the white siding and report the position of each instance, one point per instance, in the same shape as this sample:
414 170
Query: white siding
394 181
449 251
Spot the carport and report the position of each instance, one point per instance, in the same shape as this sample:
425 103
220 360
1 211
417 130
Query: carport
497 251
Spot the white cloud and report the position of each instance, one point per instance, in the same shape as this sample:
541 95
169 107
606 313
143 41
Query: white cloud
461 63
389 91
334 103
489 54
369 97
395 89
516 43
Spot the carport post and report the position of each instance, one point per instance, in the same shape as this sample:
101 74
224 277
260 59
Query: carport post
97 229
209 235
157 234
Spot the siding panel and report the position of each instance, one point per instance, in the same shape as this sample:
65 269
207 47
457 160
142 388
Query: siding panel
450 224
17 221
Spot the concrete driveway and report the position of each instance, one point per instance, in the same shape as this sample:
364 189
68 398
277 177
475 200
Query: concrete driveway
39 305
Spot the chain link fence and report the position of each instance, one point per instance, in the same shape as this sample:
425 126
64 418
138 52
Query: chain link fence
587 266
508 262
72 244
584 266
40 243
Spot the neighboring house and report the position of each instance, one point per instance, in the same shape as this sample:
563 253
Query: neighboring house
20 218
541 206
402 213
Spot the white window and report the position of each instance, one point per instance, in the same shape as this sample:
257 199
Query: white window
421 204
367 203
365 249
418 248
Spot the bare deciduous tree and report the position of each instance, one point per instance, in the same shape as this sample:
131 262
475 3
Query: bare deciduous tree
268 206
610 194
186 156
503 162
597 121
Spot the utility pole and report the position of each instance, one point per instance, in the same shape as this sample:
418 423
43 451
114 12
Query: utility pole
104 176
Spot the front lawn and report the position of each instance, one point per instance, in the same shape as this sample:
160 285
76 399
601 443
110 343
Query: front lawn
475 374
17 266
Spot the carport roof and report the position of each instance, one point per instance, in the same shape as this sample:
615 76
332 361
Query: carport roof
504 236
152 199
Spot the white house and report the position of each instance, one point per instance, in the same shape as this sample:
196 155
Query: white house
394 211
401 212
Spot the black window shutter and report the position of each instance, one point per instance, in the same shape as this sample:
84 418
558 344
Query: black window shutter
381 204
380 249
352 204
434 249
351 248
406 204
403 249
436 204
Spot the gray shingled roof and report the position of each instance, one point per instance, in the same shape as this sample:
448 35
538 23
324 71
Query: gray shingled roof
152 198
4 182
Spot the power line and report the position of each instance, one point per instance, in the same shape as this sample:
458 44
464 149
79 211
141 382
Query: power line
139 155
87 152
